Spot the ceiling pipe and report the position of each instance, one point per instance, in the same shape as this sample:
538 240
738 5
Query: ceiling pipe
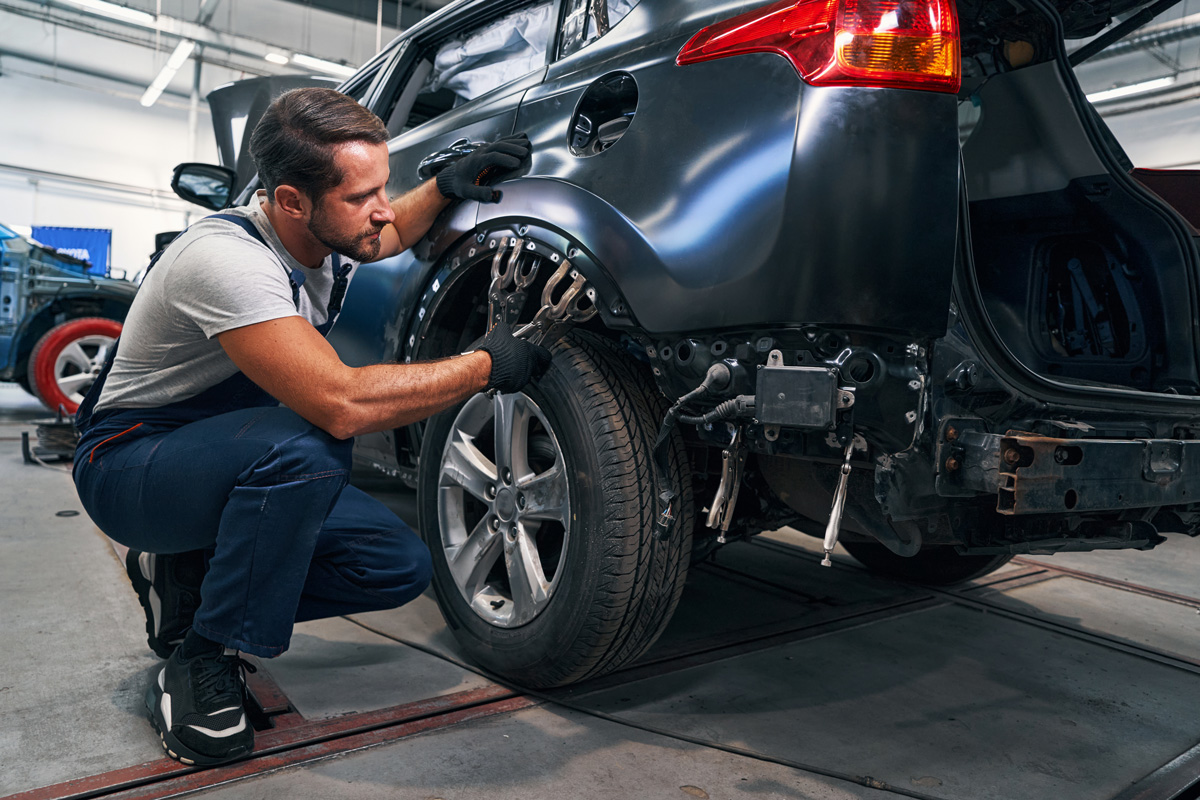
1186 28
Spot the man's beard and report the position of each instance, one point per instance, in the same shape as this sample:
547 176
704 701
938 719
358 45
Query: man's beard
358 246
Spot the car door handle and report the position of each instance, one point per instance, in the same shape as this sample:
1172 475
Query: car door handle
434 163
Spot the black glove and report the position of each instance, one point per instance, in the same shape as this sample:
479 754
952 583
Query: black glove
471 177
515 362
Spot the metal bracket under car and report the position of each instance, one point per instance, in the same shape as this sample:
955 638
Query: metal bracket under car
1033 474
799 397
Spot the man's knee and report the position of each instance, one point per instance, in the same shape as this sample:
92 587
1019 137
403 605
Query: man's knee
422 569
410 574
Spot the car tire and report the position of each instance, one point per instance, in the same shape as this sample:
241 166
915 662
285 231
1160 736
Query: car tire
937 565
66 360
581 443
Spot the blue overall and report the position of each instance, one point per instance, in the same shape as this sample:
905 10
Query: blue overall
262 490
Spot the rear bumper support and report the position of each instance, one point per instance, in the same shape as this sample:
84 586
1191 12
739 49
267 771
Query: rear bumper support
1033 474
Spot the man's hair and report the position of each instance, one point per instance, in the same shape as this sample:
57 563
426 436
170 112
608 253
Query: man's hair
295 141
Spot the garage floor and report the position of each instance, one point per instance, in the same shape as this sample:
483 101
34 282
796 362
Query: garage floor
1070 677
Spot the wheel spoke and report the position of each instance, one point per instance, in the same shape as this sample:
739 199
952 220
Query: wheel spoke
512 414
522 502
530 590
546 495
75 355
75 384
465 466
471 561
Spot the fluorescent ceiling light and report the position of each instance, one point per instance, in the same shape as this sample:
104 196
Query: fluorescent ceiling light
178 58
117 12
1135 88
321 65
276 58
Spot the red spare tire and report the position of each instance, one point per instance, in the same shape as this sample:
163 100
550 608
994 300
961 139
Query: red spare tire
65 362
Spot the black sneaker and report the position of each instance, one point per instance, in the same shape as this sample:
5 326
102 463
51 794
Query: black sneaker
198 707
168 587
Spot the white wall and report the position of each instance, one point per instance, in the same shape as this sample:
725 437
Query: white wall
78 132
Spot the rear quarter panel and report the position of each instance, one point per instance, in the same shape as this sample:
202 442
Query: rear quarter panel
762 201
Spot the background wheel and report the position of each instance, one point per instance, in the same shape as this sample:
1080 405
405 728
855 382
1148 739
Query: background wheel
938 565
538 509
65 362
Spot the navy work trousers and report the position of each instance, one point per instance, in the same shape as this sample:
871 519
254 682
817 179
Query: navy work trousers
267 493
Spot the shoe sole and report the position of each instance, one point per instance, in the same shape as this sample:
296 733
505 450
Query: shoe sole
171 745
143 585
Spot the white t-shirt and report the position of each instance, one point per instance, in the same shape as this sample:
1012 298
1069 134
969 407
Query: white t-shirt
213 278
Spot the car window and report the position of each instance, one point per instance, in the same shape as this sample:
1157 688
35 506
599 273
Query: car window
472 65
359 85
585 21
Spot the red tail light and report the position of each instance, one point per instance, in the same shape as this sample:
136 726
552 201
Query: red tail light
906 44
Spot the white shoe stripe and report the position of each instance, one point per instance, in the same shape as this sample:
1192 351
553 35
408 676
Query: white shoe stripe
166 710
146 565
241 726
155 610
222 711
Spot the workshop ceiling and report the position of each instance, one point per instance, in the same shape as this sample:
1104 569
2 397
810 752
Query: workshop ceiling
121 46
368 10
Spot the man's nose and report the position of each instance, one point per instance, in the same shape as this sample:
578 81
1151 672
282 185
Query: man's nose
383 211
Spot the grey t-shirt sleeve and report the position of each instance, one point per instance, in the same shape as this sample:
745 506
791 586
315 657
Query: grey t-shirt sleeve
218 291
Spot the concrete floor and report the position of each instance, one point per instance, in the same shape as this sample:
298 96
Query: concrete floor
1051 688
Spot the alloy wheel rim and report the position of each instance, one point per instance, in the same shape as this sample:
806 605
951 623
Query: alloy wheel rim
79 364
504 508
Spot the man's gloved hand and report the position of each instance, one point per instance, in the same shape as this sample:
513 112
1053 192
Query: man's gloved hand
515 362
471 177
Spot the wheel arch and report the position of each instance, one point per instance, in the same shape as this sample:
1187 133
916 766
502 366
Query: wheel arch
610 250
600 242
454 285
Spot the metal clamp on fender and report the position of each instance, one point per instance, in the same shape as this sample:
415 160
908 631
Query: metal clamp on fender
799 397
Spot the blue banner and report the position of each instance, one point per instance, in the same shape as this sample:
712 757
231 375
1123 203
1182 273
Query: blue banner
89 244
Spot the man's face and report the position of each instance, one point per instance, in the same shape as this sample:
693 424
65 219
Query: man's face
349 217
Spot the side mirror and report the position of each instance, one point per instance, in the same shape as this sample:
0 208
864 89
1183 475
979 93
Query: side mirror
204 184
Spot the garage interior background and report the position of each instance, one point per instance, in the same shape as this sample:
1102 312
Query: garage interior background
82 149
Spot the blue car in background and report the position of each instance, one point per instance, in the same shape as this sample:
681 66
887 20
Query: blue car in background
56 320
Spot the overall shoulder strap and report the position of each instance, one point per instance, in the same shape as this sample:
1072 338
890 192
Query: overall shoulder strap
242 222
296 278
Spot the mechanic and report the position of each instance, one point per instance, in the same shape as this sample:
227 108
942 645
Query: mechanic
217 446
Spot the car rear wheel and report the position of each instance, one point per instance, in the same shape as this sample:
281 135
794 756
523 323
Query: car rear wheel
937 565
539 508
66 361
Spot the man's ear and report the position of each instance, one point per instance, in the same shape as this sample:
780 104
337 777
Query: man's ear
292 202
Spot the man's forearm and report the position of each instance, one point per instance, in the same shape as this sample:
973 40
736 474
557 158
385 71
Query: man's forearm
415 212
387 396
